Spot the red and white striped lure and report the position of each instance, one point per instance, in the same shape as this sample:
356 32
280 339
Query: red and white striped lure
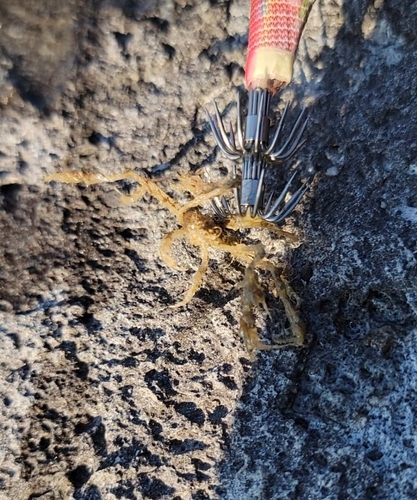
274 32
275 28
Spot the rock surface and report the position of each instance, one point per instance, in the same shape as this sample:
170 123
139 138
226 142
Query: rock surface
106 392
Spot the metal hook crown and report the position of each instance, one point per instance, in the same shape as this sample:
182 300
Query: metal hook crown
252 144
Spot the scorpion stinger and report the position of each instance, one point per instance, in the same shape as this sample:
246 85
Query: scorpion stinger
275 27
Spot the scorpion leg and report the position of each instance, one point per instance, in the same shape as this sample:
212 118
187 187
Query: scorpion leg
145 186
253 296
218 189
285 294
77 177
165 250
197 279
247 222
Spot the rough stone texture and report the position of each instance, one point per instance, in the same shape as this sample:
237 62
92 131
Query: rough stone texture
106 392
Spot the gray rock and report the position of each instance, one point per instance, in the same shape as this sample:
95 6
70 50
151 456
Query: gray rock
107 392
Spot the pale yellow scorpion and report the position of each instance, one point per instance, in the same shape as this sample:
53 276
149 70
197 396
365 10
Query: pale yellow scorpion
204 232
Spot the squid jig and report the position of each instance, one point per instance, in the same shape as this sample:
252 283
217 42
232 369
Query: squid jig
275 27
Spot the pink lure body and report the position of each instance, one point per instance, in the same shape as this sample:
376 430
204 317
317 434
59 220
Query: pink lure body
275 28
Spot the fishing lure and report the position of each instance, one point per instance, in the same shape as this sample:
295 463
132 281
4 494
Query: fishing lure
275 28
274 32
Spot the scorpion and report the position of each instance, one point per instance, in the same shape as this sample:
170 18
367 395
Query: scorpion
206 232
